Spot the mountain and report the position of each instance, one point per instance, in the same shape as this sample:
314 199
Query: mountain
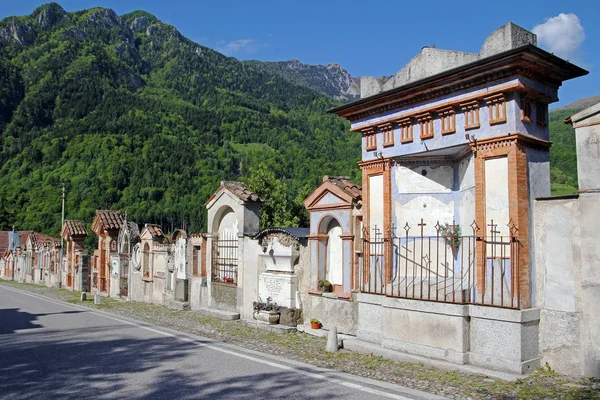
563 153
581 103
129 114
331 80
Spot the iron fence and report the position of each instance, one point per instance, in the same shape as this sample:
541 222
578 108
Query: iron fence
225 258
447 267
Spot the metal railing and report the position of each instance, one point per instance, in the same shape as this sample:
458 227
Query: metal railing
225 258
446 267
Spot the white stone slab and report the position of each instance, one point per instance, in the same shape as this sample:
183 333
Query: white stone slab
280 287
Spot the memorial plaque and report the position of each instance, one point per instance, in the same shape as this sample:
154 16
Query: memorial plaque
281 288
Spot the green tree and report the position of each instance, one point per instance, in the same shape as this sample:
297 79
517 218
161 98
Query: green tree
276 210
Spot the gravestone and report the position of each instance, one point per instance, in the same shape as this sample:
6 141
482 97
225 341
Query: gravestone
279 282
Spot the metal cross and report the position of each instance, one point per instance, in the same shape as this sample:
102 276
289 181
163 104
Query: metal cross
492 226
422 224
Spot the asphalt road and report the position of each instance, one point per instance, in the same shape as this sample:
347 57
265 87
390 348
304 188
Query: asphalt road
51 349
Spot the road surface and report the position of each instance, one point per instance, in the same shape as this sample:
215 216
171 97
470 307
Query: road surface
51 349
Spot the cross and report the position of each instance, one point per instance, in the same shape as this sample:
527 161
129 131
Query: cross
492 226
422 224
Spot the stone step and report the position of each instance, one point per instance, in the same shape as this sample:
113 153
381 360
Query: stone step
221 314
274 328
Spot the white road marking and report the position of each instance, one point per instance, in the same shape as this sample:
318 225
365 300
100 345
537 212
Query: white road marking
222 350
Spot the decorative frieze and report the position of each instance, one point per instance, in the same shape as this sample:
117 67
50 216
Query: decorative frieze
471 113
497 108
525 108
541 114
406 130
448 120
426 124
370 139
387 132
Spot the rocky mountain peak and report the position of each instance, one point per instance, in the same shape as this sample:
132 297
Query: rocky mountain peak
50 15
14 30
103 17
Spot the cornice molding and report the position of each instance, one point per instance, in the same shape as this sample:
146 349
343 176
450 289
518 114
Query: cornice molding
527 61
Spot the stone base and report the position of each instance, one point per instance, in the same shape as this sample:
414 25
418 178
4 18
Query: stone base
221 314
277 328
501 339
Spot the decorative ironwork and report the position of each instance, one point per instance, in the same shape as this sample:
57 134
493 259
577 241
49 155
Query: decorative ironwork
432 268
225 258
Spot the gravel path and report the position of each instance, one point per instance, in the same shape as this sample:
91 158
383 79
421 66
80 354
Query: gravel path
542 384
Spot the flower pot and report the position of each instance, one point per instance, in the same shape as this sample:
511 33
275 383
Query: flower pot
315 325
267 317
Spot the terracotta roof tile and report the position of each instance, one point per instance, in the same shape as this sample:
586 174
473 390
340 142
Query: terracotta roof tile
108 220
239 189
155 230
74 228
42 238
4 239
344 183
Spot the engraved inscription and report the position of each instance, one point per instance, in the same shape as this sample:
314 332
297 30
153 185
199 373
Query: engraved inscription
274 286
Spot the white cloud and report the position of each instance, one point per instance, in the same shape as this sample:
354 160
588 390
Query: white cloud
245 46
561 35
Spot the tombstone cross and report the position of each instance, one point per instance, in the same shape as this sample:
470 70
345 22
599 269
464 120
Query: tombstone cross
422 224
492 226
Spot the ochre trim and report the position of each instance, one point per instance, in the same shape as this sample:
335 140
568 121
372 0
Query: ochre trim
514 148
506 141
584 125
517 86
374 168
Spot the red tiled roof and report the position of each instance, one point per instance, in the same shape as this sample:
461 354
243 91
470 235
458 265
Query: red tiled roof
108 220
239 189
4 239
41 238
74 228
154 230
344 183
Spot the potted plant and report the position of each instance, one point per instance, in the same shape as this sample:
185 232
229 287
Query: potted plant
266 311
325 286
451 234
315 323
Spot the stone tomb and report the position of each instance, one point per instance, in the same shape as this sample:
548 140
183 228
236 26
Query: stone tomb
279 253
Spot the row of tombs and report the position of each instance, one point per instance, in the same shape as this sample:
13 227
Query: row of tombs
336 271
231 271
451 249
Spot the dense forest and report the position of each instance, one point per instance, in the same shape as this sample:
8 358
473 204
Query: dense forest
130 115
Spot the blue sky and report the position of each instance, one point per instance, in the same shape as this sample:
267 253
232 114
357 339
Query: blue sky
374 38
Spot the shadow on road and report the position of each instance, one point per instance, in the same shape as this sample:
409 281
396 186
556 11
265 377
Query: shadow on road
12 320
89 363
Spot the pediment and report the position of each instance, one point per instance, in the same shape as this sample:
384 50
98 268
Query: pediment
328 196
329 199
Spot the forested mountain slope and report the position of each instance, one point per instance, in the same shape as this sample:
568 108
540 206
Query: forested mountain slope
130 115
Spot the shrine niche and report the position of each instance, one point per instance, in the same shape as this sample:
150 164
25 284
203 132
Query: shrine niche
233 213
74 234
179 283
335 222
106 224
335 209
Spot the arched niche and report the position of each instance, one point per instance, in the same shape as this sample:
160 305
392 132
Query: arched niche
332 259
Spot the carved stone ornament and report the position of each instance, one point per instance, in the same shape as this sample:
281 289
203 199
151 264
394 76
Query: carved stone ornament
136 257
284 240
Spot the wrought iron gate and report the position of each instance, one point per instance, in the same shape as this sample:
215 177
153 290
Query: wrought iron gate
225 258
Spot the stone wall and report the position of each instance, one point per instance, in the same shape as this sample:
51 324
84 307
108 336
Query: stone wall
501 339
568 283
